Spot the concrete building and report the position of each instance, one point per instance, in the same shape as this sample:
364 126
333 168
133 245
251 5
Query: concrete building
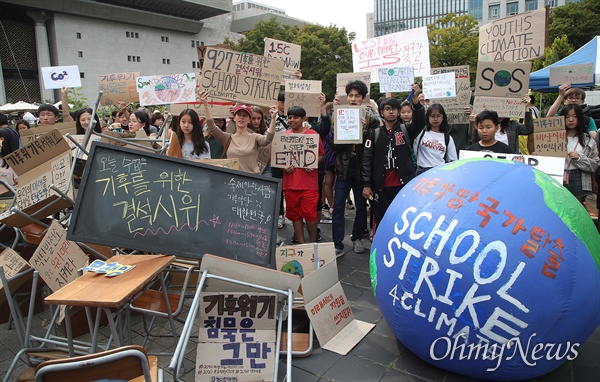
486 11
103 36
394 16
247 13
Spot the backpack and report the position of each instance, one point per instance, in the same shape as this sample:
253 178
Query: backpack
446 141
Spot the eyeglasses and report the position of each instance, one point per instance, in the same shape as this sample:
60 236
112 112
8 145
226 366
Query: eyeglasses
436 116
388 109
574 99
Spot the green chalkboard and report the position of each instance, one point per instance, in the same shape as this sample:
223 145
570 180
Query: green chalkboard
139 200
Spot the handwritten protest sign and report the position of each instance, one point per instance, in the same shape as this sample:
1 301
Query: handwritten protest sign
242 77
30 135
550 137
300 259
347 126
502 79
342 80
55 77
287 52
236 337
406 48
305 94
553 167
396 79
298 150
218 108
166 89
201 50
57 259
117 87
573 74
454 107
441 85
515 38
12 263
505 107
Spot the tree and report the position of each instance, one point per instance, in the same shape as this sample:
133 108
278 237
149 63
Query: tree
453 40
578 21
560 49
326 51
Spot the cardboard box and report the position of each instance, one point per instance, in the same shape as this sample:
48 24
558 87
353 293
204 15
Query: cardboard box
329 312
30 135
44 162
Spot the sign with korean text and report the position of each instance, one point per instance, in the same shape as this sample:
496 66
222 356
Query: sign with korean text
505 107
552 166
303 259
520 37
347 124
12 264
202 51
455 106
117 87
342 79
237 336
502 79
406 48
57 77
550 137
298 150
30 135
287 52
241 77
441 85
304 93
218 108
166 89
573 74
397 79
57 259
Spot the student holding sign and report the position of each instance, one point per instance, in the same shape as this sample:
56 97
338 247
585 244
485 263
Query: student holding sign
582 159
244 143
572 96
301 185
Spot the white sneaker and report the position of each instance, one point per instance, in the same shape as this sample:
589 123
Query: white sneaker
281 222
339 252
358 246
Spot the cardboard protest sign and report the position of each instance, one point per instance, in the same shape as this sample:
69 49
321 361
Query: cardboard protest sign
573 74
329 312
300 259
550 137
241 77
401 49
502 79
505 107
237 336
30 135
13 264
305 94
202 51
342 80
298 150
57 259
455 106
166 89
396 79
117 87
232 163
287 52
39 165
551 166
520 37
441 85
218 107
347 127
56 77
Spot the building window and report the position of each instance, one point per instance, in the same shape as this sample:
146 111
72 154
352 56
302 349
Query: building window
133 58
531 5
551 3
196 64
80 54
494 11
81 74
78 35
132 34
512 8
164 38
167 61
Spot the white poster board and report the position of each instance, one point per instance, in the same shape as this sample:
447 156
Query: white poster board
397 79
166 89
56 77
347 125
441 85
573 74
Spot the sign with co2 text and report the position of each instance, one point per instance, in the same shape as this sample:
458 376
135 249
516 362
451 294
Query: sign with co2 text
56 77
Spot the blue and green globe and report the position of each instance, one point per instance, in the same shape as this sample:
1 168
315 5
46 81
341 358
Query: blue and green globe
488 268
502 78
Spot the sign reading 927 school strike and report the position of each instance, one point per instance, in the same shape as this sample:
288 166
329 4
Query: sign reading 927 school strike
241 77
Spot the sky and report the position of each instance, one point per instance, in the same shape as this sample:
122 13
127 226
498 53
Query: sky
350 14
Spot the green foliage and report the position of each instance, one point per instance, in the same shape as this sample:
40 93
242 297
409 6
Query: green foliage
326 51
77 99
454 40
560 49
578 21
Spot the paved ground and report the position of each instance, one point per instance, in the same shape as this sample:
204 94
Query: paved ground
378 357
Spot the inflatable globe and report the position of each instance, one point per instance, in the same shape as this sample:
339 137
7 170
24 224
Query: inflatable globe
488 268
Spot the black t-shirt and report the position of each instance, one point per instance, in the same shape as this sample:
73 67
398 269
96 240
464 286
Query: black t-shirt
498 147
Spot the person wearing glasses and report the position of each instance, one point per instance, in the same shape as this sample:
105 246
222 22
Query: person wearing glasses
572 96
434 146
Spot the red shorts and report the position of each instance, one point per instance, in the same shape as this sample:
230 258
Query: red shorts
301 204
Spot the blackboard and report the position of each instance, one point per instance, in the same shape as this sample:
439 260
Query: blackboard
144 201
